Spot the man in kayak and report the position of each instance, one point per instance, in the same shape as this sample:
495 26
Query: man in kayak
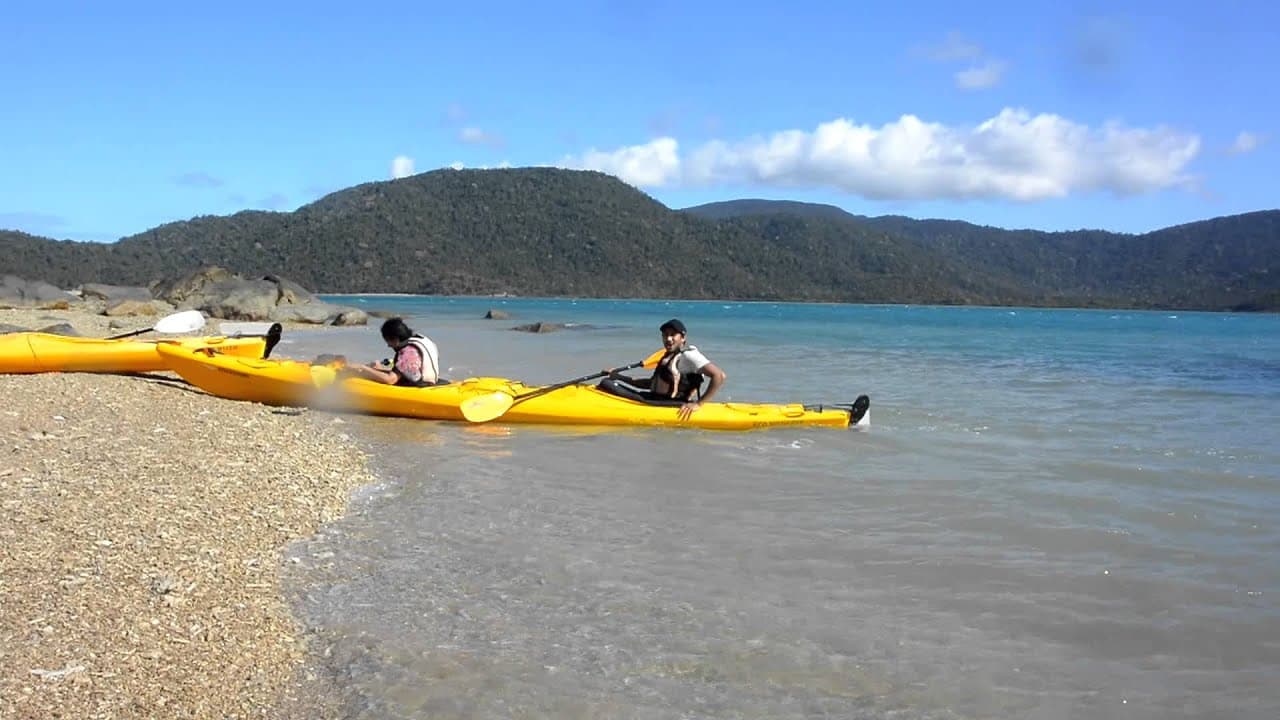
678 377
417 360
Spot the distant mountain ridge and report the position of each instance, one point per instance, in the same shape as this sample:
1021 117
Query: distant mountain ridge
1219 263
546 231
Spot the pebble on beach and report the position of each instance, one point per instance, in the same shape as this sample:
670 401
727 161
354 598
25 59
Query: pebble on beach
142 524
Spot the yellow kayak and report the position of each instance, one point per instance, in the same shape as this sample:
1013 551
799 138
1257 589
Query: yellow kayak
588 405
294 383
33 352
286 383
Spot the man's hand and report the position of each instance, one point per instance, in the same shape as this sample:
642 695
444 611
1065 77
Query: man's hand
688 409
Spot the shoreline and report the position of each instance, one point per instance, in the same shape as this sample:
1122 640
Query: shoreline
724 301
143 526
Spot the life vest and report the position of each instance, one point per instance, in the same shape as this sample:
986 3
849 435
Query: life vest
428 355
686 385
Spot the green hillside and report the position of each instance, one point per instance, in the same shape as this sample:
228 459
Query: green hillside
544 231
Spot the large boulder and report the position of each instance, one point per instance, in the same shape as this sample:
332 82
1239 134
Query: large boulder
539 327
290 292
19 292
138 308
242 300
221 294
11 291
112 294
319 312
61 328
194 289
351 316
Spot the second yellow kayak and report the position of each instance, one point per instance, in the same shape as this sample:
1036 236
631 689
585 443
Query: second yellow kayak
294 383
33 352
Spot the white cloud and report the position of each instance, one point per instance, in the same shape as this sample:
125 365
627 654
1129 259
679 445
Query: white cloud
982 71
955 48
1014 156
401 166
656 163
476 136
1245 142
981 77
504 165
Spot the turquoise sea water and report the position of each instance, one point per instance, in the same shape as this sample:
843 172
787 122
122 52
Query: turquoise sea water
1055 514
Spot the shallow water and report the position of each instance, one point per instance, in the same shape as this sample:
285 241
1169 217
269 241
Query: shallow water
1055 514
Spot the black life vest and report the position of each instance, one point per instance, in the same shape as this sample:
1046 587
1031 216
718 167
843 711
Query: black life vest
686 385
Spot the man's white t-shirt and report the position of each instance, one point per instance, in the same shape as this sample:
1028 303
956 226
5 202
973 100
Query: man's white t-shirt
690 361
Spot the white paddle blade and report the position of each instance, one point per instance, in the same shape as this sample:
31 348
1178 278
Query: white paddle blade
180 322
483 408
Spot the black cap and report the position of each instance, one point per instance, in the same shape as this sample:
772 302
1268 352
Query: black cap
674 324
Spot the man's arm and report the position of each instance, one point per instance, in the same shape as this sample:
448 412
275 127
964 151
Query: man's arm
717 376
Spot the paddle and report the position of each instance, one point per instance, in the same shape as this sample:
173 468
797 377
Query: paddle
273 339
484 408
179 322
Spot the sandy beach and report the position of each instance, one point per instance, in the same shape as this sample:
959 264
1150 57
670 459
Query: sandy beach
142 528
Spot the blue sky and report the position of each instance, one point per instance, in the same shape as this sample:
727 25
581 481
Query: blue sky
1124 116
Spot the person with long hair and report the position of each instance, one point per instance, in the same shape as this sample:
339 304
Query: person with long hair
416 362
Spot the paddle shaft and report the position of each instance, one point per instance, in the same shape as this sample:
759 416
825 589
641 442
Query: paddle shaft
483 408
567 383
130 334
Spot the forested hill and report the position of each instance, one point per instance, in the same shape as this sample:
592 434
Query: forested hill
544 231
1222 263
